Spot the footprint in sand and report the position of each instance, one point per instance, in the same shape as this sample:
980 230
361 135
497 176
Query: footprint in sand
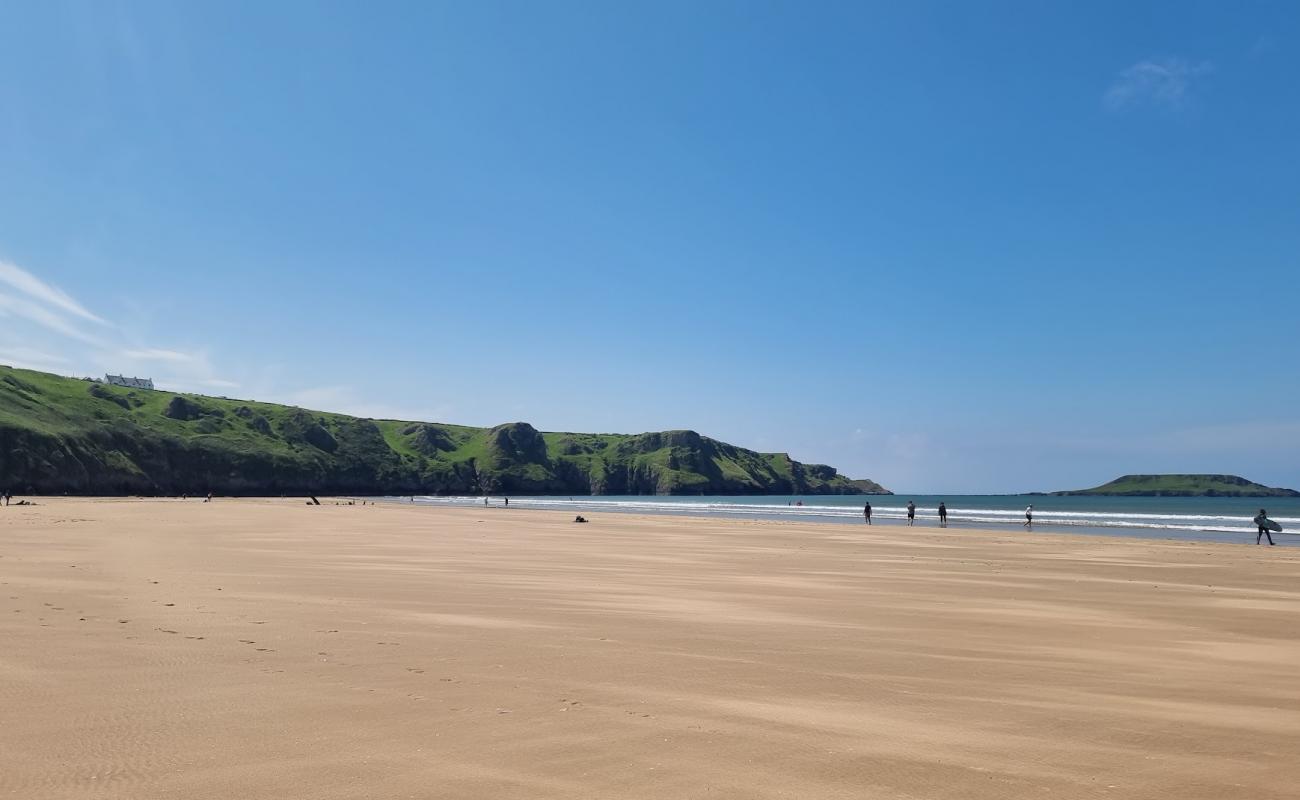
164 630
247 641
416 671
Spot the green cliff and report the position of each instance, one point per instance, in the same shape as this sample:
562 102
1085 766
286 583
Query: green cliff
68 435
1183 486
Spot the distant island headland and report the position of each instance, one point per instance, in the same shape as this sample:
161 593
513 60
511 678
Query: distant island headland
80 436
1181 486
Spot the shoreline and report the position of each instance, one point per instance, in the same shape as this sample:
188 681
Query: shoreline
812 513
1083 533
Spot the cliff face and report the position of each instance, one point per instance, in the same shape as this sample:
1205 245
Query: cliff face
66 435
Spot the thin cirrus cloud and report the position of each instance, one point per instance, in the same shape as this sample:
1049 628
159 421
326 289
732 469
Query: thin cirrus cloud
35 288
1164 83
44 317
154 354
81 338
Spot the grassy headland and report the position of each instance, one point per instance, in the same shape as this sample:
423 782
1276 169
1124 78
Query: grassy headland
62 434
1183 486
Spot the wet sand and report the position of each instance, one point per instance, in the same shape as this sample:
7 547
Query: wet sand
259 649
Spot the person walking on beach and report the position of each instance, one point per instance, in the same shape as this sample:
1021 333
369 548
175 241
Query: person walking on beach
911 512
943 515
1029 517
1261 522
866 512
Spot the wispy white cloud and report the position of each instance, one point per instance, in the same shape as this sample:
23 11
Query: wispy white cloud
47 328
34 287
22 354
155 354
30 358
1263 46
11 305
1163 82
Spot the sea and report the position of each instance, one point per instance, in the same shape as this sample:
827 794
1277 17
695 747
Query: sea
1217 519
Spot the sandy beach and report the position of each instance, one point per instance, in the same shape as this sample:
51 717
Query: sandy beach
267 649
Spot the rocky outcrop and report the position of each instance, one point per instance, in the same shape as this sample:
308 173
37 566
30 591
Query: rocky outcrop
182 408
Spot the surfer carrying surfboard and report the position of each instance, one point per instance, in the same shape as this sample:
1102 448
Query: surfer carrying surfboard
1266 526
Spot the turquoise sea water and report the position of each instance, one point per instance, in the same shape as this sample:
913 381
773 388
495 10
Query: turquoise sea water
1196 518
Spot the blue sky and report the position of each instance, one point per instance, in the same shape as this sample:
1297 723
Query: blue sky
952 247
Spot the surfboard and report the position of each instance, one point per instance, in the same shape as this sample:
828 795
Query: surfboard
1272 526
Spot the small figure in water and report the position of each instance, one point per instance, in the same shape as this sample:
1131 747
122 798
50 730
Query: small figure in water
943 515
866 512
911 512
1029 517
507 501
1261 522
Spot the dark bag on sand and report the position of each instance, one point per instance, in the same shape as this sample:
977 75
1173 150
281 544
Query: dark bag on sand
579 518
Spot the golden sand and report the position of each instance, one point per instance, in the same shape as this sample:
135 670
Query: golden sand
267 649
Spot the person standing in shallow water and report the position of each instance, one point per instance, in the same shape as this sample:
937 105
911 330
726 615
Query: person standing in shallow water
866 512
911 512
943 515
1029 517
1261 522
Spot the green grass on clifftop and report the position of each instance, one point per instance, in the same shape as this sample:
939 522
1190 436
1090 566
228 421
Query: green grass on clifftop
62 434
1183 486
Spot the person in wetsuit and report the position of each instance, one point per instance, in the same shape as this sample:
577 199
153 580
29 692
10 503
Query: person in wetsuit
1261 521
